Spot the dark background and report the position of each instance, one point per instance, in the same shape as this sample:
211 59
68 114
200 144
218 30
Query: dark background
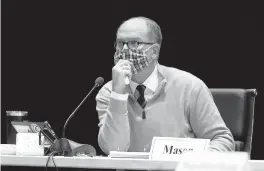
52 51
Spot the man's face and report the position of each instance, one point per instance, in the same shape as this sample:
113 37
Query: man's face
135 34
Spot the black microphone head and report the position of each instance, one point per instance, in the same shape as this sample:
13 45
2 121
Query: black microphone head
99 81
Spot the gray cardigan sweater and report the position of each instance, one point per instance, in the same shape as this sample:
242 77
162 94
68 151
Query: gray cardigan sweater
181 107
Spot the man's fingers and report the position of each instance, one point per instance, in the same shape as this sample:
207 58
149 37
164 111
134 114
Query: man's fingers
122 62
127 67
127 73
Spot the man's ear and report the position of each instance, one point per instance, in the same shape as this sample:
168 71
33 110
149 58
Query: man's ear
155 51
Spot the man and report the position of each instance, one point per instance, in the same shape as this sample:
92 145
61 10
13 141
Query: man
158 100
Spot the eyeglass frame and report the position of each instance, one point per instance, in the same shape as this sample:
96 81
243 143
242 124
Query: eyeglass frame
138 43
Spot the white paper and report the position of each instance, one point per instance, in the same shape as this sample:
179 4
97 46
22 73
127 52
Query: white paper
28 144
214 161
7 149
120 154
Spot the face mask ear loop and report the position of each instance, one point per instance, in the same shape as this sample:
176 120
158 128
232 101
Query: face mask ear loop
145 54
145 50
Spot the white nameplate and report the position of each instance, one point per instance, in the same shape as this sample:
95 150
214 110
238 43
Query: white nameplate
169 148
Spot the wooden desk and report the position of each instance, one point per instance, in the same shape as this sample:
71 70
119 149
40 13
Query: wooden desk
101 163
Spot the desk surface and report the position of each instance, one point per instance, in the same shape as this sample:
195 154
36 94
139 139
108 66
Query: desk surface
101 163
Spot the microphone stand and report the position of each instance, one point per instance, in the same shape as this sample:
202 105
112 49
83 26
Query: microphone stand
62 146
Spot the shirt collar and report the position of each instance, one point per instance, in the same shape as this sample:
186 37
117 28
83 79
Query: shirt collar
151 82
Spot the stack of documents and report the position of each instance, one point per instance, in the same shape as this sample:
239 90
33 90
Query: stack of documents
120 154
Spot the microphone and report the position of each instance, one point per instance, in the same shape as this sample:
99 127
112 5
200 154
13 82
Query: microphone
98 82
62 145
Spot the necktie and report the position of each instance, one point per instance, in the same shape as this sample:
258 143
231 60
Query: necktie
141 99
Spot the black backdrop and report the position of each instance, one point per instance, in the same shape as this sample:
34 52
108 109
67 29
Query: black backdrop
53 51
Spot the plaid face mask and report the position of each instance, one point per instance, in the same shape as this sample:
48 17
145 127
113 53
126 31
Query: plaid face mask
137 57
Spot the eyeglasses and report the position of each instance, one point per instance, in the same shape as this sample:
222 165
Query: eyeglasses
130 44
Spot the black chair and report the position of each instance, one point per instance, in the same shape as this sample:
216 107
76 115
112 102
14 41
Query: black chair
236 107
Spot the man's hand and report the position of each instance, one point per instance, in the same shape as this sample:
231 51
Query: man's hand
121 70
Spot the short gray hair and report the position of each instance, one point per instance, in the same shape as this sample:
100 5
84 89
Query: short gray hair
153 27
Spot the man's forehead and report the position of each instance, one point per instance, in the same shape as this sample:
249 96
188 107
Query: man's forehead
133 30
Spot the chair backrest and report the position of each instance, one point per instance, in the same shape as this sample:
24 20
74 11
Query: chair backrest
236 107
